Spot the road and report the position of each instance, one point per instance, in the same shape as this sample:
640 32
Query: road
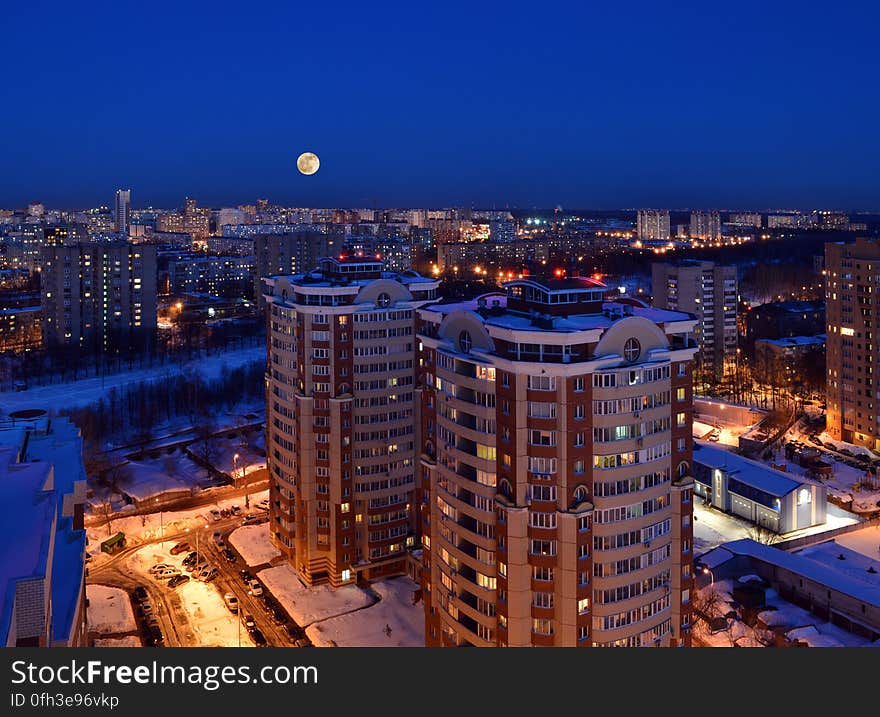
173 620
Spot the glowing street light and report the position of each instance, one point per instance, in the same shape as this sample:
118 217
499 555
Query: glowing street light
711 575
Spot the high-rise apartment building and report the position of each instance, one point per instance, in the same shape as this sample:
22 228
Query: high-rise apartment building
341 428
706 226
555 469
196 221
709 291
852 283
653 224
122 210
99 295
291 253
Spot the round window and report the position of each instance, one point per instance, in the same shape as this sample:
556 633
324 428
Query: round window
465 341
383 300
632 349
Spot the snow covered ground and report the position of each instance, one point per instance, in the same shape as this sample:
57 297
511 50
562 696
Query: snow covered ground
249 457
792 619
307 605
392 622
209 619
127 641
712 528
109 610
252 542
140 528
78 393
170 473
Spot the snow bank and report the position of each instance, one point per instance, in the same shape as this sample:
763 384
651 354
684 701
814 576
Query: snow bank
307 605
109 610
370 627
252 542
127 641
210 621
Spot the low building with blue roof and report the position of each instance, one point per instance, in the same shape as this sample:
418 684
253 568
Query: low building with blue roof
42 573
767 497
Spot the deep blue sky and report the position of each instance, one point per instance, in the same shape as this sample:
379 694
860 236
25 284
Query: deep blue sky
669 104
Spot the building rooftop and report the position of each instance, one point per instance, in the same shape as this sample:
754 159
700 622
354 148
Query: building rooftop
497 314
745 470
836 575
790 341
28 514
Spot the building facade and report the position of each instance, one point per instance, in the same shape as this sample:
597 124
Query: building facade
122 210
555 469
709 291
341 418
706 226
653 224
97 294
291 253
852 272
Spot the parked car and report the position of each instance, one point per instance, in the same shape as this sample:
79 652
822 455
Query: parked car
156 636
236 510
140 593
179 548
215 514
229 555
178 580
159 567
816 440
255 588
210 575
249 622
258 638
263 504
166 573
303 642
231 602
295 632
191 558
246 576
279 617
251 519
145 608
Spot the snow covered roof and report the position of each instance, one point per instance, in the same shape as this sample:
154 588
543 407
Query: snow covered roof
747 471
28 511
826 574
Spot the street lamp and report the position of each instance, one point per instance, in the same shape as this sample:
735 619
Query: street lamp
707 571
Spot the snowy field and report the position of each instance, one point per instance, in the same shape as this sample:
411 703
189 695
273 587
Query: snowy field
109 610
210 621
307 605
78 393
712 528
252 542
369 627
249 457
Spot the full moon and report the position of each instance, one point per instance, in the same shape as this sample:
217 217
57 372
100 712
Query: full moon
308 163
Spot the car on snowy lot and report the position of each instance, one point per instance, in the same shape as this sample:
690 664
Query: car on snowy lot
156 637
249 622
140 593
255 588
231 602
246 576
166 573
258 638
216 514
229 555
235 510
179 548
159 567
178 580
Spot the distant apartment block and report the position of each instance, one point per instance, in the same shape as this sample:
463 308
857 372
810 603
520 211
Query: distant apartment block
706 226
292 253
98 295
709 291
653 224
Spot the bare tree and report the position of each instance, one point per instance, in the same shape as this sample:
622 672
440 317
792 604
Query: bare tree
105 510
763 535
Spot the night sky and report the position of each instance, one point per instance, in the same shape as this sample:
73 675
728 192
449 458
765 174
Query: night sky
434 104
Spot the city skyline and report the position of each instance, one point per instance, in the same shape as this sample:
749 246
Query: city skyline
540 111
